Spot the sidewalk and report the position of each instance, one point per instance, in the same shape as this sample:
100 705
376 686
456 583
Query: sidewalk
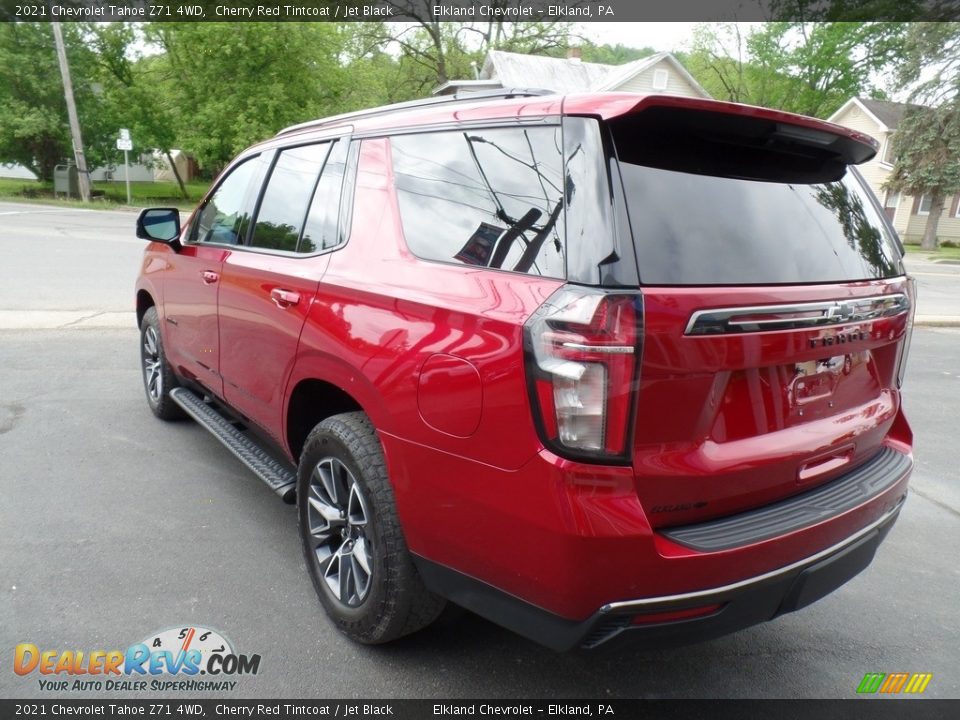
90 260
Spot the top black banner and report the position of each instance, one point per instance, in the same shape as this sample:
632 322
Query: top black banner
475 10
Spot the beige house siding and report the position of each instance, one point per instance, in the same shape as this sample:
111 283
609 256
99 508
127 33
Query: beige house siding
855 119
948 228
643 82
907 223
873 171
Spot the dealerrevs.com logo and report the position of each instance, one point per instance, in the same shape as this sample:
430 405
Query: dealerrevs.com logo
169 660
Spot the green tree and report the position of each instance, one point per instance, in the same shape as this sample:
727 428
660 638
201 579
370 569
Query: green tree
927 141
137 93
230 85
807 68
431 52
435 51
376 76
33 114
857 10
618 54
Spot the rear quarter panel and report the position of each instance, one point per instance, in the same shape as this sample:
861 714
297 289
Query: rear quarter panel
381 314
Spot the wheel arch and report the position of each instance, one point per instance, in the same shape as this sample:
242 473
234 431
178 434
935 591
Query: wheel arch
145 301
311 401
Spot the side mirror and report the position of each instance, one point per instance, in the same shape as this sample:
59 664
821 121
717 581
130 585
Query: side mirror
159 224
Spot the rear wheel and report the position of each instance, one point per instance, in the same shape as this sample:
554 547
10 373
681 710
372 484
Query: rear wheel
352 541
158 377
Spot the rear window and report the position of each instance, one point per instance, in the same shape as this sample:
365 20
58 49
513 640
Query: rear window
703 225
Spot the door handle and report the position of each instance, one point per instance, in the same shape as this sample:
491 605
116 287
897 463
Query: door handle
284 298
209 277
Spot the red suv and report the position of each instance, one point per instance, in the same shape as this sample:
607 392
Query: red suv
594 367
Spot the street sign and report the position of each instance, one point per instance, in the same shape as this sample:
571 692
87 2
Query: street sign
124 143
124 134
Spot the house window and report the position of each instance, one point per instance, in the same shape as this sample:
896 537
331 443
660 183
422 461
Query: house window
924 207
891 204
888 155
660 79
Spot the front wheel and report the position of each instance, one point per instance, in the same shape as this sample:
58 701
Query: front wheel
158 377
352 541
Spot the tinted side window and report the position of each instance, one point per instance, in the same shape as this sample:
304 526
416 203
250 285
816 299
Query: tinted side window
224 217
489 198
321 231
284 204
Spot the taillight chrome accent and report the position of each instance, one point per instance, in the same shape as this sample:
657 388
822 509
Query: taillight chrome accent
613 349
908 333
582 356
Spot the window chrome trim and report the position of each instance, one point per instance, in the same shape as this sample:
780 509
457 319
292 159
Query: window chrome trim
795 315
346 203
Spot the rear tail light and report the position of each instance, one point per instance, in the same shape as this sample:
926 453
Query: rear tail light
583 354
908 333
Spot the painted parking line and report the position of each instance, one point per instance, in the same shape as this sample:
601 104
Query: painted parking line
65 319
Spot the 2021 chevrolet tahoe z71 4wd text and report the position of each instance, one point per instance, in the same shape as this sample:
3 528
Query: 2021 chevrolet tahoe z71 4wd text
596 367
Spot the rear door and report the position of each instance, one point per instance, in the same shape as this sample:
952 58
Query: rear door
775 309
268 287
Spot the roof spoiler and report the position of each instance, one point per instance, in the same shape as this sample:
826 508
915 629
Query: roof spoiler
718 138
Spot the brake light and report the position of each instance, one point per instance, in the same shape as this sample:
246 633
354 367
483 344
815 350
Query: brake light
908 333
583 353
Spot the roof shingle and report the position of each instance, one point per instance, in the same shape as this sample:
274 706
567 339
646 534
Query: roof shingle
889 113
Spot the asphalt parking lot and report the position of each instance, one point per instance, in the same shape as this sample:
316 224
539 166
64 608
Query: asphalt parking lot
116 525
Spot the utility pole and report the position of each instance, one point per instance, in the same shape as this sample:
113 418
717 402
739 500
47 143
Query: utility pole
83 178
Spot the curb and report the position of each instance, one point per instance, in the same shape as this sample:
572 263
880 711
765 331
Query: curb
943 321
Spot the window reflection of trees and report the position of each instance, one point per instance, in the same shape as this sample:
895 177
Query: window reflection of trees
276 236
223 217
860 229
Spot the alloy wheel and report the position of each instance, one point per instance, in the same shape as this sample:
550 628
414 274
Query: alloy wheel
152 372
338 525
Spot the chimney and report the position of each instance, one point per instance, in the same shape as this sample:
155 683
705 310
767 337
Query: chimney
574 54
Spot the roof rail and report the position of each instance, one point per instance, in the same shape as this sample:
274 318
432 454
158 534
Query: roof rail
460 96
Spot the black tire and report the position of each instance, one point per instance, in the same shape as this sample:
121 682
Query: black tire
342 471
158 377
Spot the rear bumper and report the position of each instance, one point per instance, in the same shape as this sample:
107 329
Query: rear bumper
871 479
718 611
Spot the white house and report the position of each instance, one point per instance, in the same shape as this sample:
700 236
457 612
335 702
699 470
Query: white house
661 73
909 214
149 167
